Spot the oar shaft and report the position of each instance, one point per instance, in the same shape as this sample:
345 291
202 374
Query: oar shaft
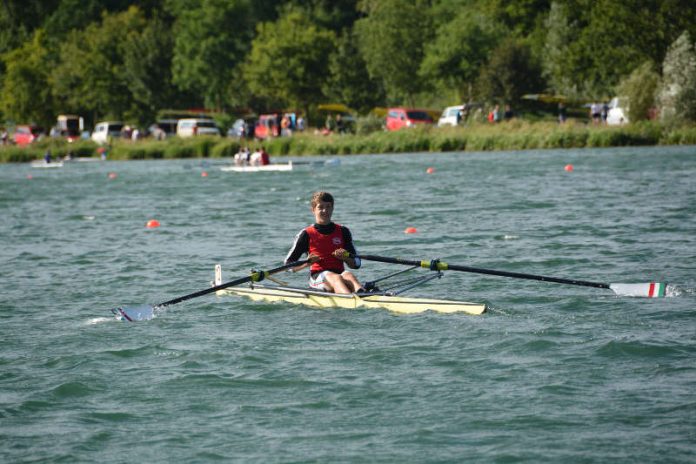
256 276
436 265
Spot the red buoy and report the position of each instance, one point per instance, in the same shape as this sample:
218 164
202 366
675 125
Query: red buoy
152 223
430 170
410 230
569 167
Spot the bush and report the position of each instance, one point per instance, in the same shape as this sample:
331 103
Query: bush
640 88
368 124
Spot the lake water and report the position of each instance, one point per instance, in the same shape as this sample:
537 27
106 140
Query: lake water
550 373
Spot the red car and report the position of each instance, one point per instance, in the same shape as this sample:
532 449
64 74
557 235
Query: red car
398 118
26 134
267 126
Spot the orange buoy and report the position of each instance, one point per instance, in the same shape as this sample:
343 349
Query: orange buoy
410 230
430 170
204 174
152 223
569 167
113 175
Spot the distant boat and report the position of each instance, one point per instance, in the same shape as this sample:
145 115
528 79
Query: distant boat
45 164
289 166
267 167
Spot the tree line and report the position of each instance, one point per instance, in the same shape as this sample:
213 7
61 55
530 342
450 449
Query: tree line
127 60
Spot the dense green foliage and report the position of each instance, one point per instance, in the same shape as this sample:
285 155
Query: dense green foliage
639 88
126 59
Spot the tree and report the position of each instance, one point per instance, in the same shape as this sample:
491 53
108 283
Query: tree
289 59
461 47
212 38
510 73
91 75
559 36
349 82
147 66
677 93
26 92
591 45
391 39
640 88
19 19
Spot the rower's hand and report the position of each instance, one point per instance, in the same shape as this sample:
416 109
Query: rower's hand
312 258
341 254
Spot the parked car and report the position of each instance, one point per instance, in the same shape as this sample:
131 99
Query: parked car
398 118
107 130
618 111
26 134
69 126
242 128
267 126
168 126
450 116
190 127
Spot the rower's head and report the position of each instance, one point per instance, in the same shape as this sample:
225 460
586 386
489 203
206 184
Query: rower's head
322 204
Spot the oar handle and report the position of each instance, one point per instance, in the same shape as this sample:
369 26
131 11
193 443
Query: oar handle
437 265
256 276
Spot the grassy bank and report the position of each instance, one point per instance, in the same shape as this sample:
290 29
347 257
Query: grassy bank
513 135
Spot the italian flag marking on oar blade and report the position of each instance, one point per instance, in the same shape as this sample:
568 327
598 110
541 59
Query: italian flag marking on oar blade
650 290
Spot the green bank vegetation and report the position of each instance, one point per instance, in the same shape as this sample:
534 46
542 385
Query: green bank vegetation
512 135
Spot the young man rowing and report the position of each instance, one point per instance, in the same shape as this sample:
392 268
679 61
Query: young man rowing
326 244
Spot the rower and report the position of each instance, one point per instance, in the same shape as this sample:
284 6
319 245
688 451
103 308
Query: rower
241 158
330 247
255 158
265 159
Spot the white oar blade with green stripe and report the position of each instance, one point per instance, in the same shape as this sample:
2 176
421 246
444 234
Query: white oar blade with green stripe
648 290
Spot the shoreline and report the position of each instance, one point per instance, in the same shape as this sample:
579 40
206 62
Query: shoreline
512 135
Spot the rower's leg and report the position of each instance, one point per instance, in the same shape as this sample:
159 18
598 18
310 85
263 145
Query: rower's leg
351 281
336 283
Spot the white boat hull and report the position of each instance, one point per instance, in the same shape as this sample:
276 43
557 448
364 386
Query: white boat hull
267 167
397 304
44 164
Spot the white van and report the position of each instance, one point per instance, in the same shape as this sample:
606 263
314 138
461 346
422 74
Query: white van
191 127
618 111
105 131
450 117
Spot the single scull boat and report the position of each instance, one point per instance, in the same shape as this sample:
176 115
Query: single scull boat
387 298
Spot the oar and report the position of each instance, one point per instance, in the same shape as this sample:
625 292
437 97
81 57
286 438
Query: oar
649 290
145 312
332 162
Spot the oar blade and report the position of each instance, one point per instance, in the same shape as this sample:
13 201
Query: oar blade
134 313
645 290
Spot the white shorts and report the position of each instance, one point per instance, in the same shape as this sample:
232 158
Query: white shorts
317 282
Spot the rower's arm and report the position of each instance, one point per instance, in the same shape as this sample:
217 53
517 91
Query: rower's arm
299 247
299 268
